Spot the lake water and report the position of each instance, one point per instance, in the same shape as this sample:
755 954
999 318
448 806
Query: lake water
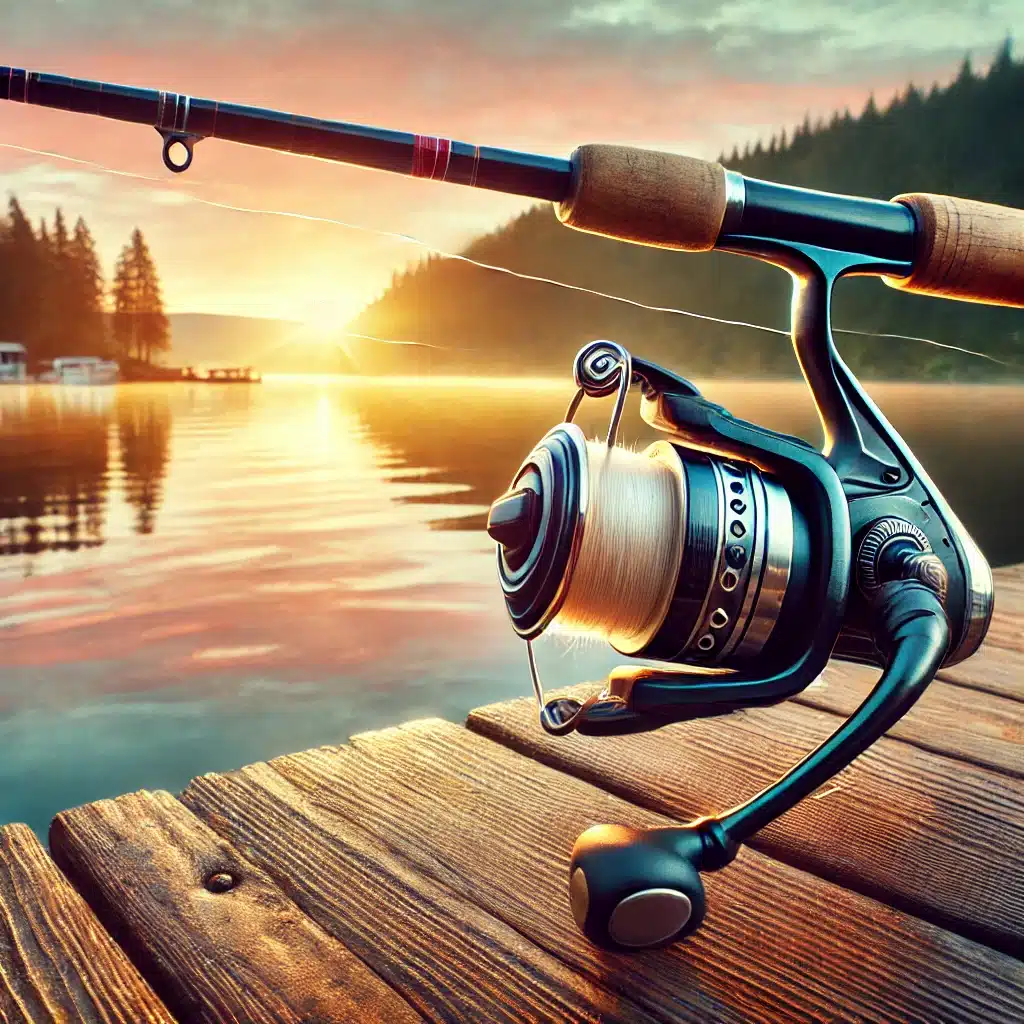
195 577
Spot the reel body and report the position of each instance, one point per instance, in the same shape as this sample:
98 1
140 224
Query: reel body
763 540
740 560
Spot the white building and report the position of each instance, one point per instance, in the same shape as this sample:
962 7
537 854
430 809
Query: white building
13 363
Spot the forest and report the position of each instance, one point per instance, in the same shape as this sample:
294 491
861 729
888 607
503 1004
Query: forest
965 138
55 301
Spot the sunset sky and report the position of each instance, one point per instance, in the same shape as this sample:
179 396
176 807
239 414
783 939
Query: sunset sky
692 76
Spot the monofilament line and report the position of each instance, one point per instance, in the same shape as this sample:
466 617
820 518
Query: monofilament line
630 552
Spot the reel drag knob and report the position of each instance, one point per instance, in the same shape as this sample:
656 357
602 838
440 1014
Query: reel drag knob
633 889
514 518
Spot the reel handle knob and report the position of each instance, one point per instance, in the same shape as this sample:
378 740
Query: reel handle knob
633 889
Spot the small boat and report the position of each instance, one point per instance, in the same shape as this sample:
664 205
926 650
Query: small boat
81 370
222 375
13 363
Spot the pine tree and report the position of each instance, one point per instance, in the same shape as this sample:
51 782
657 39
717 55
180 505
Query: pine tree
23 284
1003 61
55 315
86 298
155 327
6 290
141 328
125 302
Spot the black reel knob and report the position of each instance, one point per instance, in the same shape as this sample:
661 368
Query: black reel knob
514 519
633 889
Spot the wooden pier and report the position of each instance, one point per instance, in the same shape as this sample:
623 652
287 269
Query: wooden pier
419 873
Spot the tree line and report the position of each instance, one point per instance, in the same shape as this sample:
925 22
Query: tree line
54 298
965 138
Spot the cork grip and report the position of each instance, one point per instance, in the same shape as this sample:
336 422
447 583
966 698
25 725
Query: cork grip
966 250
639 195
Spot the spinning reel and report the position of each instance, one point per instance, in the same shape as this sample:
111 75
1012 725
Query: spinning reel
742 560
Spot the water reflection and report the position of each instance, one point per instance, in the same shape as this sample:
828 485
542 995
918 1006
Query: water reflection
61 450
54 464
144 438
197 576
470 436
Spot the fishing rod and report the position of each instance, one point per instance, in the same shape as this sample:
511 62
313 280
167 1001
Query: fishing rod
737 559
922 243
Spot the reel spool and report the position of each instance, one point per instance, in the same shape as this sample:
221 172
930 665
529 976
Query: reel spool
743 560
667 553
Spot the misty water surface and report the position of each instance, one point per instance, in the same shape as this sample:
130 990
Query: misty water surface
195 577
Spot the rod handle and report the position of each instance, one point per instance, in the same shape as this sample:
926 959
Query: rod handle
640 195
965 250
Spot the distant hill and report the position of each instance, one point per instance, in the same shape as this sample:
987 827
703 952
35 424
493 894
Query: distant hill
270 346
964 139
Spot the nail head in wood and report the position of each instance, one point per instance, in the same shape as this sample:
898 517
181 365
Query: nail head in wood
220 882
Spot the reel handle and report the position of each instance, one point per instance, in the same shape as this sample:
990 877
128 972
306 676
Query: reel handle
639 889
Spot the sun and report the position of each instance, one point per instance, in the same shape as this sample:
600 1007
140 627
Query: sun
327 318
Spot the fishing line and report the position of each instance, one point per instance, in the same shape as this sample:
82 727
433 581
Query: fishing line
631 546
929 341
394 341
413 240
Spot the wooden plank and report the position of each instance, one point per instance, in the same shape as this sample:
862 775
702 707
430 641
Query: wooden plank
247 954
450 959
56 962
998 667
1007 626
778 943
922 832
972 726
993 670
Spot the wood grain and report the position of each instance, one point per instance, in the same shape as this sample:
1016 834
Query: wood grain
778 945
244 955
449 958
56 962
993 669
971 726
998 666
640 195
917 830
1007 626
966 250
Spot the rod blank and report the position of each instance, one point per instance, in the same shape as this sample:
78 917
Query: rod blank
422 156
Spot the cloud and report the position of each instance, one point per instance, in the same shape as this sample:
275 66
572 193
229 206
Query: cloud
756 37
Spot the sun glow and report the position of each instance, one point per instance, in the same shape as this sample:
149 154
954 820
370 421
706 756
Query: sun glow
327 318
